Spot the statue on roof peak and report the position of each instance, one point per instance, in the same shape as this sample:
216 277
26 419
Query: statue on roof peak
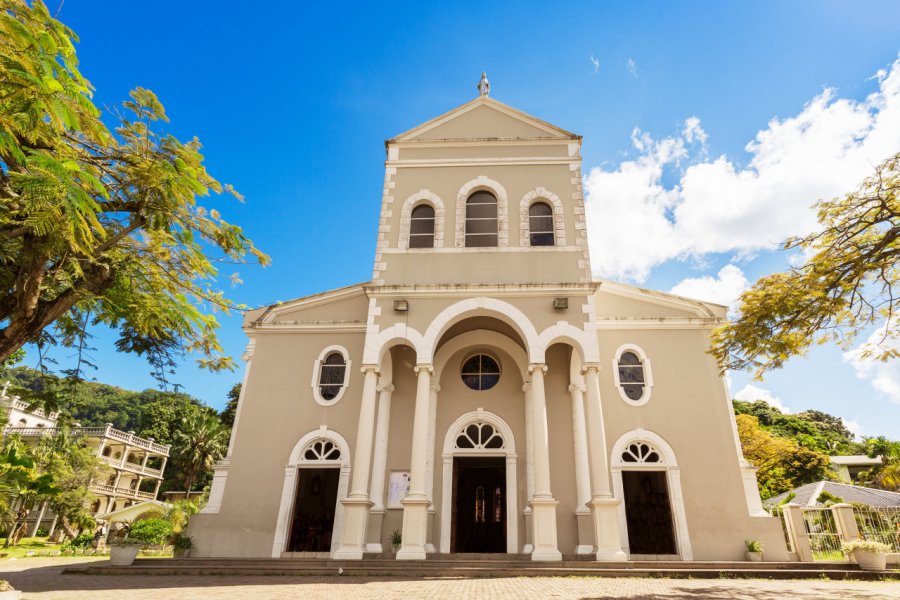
484 86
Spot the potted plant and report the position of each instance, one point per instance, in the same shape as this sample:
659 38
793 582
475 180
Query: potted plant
870 556
754 550
396 540
181 545
123 551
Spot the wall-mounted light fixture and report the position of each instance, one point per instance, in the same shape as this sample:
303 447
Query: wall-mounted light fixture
401 306
560 303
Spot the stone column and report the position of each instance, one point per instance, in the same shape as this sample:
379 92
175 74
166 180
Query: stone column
528 548
429 465
543 504
604 508
796 526
846 522
415 505
379 468
37 522
357 503
582 472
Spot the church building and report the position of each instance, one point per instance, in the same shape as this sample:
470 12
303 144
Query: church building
483 393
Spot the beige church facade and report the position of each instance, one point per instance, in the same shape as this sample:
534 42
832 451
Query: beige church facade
483 393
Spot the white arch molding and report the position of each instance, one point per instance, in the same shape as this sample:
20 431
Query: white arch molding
508 451
669 465
481 338
540 194
399 333
645 365
295 462
423 196
482 182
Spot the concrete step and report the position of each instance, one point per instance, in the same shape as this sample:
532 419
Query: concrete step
455 569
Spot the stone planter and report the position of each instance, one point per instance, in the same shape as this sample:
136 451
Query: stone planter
754 556
121 555
869 560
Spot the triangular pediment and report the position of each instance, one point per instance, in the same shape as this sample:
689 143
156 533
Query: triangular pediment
484 118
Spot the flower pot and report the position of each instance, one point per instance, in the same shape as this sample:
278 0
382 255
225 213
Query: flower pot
395 548
122 555
869 560
754 556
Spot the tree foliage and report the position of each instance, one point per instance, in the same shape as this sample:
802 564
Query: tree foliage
101 227
847 284
781 464
199 443
811 429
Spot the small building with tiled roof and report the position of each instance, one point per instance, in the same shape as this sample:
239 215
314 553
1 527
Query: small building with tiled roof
808 495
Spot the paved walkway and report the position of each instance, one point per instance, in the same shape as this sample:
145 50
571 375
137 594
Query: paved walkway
41 579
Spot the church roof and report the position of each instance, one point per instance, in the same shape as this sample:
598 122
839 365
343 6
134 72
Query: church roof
484 119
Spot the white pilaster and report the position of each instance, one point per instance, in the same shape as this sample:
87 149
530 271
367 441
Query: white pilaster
582 472
529 470
379 459
415 505
357 503
543 504
604 506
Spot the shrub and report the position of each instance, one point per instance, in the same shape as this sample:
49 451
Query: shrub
80 542
41 532
753 545
151 531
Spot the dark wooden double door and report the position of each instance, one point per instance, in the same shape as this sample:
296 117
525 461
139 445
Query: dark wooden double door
314 506
479 505
648 512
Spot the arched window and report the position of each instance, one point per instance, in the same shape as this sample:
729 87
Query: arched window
331 375
23 423
481 220
421 229
479 436
480 372
632 375
540 224
321 450
107 451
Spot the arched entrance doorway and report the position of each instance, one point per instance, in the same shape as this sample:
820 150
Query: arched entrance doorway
316 480
647 480
480 482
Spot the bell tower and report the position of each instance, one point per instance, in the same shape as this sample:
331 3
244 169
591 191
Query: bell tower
483 194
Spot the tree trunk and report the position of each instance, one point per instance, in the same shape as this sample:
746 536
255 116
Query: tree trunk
67 528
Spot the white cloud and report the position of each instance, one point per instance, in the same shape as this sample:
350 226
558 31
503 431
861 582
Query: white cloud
632 67
723 289
636 222
751 393
854 427
884 377
596 63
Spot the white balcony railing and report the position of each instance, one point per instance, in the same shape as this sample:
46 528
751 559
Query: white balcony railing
131 467
121 492
108 432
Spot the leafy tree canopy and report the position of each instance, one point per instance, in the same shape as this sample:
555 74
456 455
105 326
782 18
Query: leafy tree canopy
847 284
101 227
811 429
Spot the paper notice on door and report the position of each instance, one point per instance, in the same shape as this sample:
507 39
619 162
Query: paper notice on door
398 488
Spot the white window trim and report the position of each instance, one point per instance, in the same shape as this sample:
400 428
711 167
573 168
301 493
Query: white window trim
669 465
540 194
422 197
317 366
648 374
482 183
479 352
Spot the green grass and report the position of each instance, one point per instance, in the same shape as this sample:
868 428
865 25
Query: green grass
38 545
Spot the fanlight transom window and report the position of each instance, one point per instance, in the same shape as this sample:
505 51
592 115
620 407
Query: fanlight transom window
481 372
480 436
540 224
331 375
631 375
421 227
641 452
319 450
481 220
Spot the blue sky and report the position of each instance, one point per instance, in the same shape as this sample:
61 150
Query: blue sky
294 100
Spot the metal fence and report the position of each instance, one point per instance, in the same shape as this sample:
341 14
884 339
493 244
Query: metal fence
778 511
824 535
879 525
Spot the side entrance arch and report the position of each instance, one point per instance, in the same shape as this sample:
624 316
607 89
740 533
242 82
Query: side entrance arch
479 503
315 481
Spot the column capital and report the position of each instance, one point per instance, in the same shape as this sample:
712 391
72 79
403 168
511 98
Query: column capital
577 387
585 367
534 366
419 369
367 368
386 387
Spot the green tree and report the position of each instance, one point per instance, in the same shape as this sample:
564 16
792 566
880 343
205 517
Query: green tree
885 476
228 413
848 283
199 443
28 484
101 227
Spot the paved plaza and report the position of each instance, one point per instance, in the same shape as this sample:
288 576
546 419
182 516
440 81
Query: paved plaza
41 579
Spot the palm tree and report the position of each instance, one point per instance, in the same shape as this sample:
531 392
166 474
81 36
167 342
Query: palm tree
199 443
885 476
